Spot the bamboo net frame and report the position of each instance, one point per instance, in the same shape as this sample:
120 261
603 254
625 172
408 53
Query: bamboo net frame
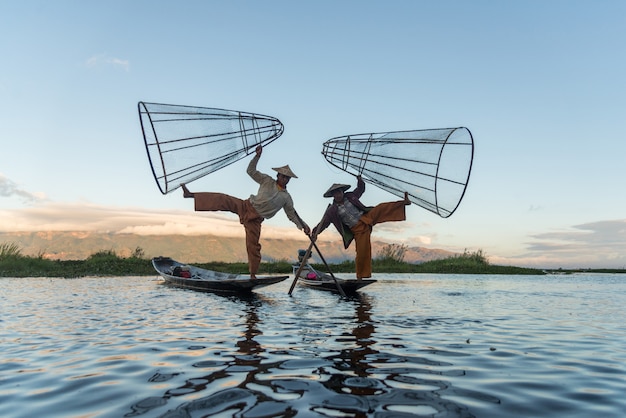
432 165
185 143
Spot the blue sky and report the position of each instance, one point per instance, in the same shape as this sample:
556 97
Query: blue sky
540 84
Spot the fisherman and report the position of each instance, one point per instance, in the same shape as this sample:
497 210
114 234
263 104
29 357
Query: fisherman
271 197
354 220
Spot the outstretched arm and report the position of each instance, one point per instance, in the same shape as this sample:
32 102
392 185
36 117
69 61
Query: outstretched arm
305 227
360 187
324 223
251 170
295 218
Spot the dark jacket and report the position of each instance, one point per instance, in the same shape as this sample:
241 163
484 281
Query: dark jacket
332 215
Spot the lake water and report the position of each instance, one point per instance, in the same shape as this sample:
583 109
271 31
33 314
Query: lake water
409 345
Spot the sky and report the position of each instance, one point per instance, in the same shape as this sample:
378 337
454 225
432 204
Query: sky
540 84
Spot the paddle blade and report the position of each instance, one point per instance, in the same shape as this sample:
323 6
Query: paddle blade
432 165
185 143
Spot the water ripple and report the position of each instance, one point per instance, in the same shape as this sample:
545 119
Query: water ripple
451 346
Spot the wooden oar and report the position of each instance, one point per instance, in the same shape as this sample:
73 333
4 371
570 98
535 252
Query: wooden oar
329 270
308 254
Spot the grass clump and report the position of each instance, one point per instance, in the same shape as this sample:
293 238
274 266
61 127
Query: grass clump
9 250
107 263
102 263
391 260
472 263
468 262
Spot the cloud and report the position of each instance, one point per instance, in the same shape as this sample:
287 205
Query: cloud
8 188
391 228
81 216
590 245
417 240
594 235
600 244
104 60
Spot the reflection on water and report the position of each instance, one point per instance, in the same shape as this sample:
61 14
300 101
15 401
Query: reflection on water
408 346
354 381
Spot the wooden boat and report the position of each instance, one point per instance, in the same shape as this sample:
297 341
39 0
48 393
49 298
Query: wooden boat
196 278
315 279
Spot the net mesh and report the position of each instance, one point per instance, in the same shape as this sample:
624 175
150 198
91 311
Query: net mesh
432 165
185 143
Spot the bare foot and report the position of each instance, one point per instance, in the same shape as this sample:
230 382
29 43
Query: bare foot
252 276
407 202
186 192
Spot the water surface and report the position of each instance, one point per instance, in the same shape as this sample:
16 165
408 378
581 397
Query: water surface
409 345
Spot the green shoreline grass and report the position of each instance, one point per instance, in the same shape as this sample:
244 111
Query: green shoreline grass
107 263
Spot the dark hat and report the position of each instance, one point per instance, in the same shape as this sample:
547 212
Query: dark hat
336 186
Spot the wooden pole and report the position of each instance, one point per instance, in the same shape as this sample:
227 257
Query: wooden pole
329 270
308 254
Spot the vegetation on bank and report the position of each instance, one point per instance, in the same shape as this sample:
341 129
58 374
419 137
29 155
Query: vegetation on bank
106 263
102 263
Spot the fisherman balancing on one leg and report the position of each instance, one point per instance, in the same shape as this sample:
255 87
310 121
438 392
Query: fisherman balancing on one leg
354 220
271 197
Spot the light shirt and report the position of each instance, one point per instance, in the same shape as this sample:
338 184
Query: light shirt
348 213
270 198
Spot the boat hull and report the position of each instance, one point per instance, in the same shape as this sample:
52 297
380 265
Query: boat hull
328 284
208 280
311 278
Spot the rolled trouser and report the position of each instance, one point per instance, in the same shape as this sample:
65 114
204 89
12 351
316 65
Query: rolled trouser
383 212
248 217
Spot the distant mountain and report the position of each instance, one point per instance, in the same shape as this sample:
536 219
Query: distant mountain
78 245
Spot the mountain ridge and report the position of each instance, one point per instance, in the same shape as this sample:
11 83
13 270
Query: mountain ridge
79 245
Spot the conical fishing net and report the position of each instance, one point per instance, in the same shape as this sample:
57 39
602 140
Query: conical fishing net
432 165
185 143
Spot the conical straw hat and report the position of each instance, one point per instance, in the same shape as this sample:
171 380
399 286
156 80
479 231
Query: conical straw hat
285 171
329 192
